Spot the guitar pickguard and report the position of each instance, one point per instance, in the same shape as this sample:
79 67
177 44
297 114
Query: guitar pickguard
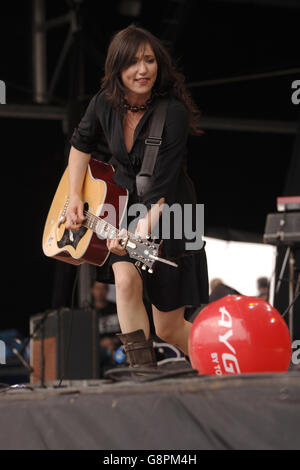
71 237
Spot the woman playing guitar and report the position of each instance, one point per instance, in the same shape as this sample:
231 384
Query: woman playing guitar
138 73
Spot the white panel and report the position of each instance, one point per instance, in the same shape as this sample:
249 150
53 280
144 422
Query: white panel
239 264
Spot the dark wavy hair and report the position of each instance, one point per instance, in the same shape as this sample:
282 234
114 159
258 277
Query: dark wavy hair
169 81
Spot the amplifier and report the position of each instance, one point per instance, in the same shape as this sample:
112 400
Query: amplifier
283 229
68 342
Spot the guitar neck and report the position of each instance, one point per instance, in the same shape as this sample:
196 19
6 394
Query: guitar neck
144 251
105 230
99 226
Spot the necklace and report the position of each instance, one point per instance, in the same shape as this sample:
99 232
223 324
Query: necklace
135 109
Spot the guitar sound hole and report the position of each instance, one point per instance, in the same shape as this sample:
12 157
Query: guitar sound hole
86 206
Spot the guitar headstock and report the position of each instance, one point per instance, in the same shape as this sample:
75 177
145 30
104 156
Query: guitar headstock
144 250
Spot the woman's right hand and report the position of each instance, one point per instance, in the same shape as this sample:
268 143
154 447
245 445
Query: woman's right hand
74 216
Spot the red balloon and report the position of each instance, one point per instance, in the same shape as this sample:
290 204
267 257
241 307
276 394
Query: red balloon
239 334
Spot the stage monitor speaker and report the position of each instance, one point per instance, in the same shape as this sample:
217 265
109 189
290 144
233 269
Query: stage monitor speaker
64 343
283 229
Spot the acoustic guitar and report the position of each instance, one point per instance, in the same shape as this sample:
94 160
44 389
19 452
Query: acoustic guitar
88 244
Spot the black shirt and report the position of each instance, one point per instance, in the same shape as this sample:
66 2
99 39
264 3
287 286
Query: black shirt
101 117
170 180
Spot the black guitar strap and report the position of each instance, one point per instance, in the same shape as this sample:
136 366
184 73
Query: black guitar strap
153 142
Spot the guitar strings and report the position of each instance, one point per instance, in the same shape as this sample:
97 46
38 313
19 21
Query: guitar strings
117 231
95 217
92 216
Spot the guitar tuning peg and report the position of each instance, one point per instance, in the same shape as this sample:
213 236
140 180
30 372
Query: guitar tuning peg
144 267
150 271
137 264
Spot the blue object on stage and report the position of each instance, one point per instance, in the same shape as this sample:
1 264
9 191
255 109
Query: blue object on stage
119 356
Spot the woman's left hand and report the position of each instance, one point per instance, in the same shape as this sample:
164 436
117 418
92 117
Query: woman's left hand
114 244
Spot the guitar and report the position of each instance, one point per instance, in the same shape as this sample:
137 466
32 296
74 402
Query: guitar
88 244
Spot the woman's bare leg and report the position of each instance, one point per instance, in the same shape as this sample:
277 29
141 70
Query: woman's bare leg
172 327
131 311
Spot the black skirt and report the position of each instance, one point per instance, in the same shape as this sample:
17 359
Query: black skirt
168 287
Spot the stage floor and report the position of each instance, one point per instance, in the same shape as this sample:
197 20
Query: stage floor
177 411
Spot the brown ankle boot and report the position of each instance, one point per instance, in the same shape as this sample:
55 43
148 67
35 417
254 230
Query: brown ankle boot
139 351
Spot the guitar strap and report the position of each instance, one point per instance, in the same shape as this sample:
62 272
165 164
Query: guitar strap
153 142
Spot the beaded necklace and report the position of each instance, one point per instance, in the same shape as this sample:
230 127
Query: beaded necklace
135 109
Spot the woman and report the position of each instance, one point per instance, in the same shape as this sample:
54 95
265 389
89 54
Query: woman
138 72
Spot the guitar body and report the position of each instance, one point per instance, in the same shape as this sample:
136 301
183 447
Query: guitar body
83 245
